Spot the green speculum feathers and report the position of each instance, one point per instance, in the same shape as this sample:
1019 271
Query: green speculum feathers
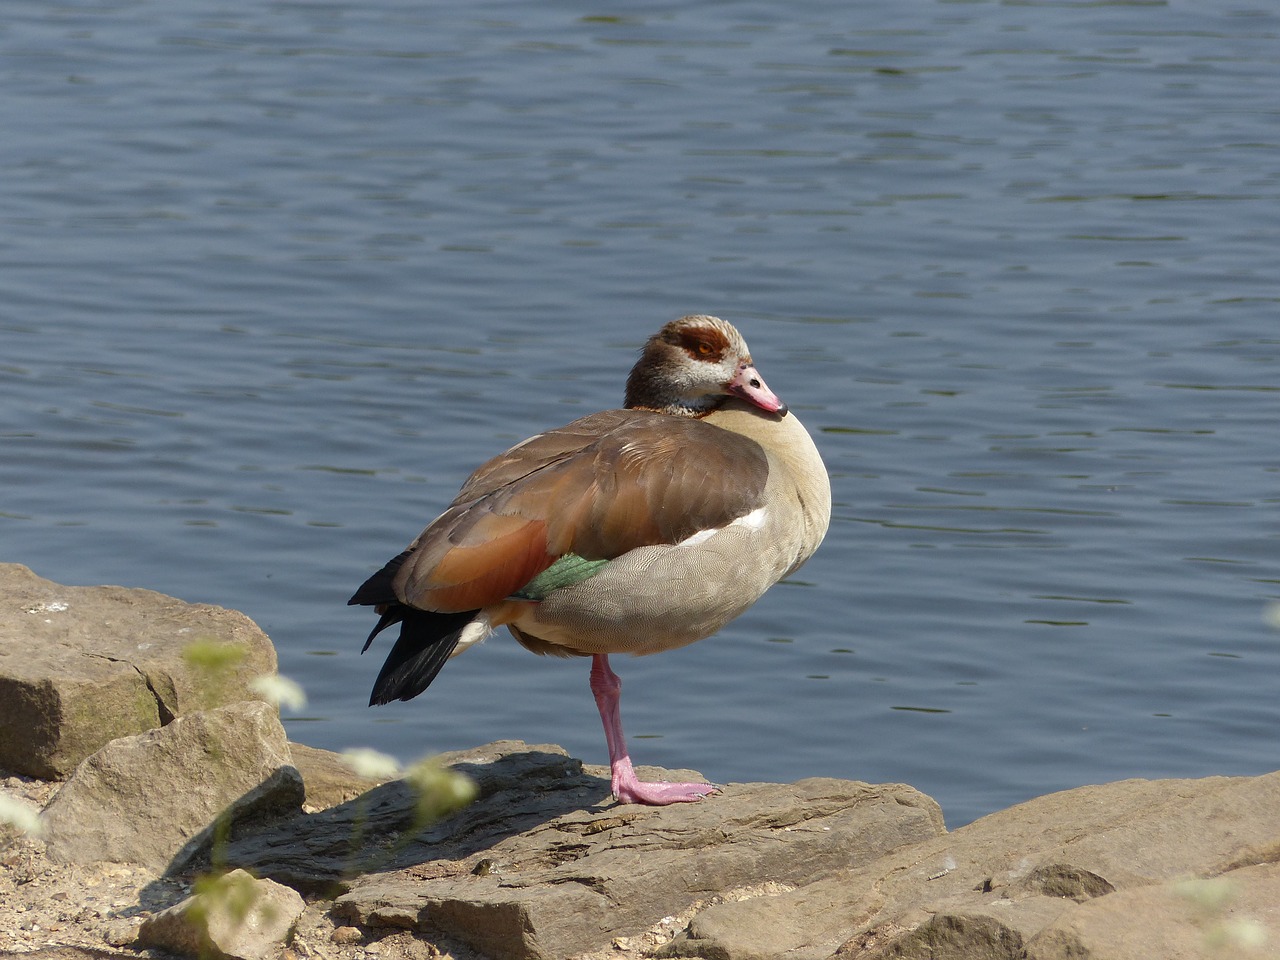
565 572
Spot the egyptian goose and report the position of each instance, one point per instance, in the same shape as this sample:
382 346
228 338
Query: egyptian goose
627 531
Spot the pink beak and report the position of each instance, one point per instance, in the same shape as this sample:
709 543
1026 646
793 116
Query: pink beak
750 386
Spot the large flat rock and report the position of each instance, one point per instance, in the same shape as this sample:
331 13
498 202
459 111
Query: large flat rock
81 666
544 865
382 829
1234 915
1034 882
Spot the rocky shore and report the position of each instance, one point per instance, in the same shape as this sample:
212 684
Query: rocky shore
151 805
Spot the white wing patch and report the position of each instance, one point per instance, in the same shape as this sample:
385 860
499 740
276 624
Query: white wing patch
751 521
473 632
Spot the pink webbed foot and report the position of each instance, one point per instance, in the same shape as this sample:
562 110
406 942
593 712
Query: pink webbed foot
628 788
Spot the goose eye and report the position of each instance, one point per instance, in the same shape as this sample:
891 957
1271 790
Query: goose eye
704 348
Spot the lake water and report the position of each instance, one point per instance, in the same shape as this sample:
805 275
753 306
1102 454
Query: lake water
278 276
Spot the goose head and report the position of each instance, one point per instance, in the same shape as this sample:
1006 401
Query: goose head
692 366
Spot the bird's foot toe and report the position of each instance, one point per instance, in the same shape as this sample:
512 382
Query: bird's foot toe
661 794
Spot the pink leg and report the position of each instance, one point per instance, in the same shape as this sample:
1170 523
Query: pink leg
607 688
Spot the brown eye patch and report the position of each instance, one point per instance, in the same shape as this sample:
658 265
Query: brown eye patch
702 343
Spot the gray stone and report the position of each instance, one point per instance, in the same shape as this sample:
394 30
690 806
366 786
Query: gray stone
81 666
161 798
990 888
550 868
320 853
232 917
1236 915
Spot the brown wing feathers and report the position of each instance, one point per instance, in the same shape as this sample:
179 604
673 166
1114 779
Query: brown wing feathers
539 451
601 486
471 557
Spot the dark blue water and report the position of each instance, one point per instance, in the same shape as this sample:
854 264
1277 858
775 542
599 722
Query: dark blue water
276 277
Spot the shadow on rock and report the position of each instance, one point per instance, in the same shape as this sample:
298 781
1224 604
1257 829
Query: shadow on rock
383 828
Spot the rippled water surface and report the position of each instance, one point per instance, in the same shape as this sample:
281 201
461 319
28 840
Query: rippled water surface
277 276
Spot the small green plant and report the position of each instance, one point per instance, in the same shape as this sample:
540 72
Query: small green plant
1271 614
19 815
215 661
439 791
228 898
1224 935
370 764
279 691
213 656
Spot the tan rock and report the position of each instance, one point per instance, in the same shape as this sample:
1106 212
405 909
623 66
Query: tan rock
81 666
1234 915
586 870
320 853
989 888
160 798
232 917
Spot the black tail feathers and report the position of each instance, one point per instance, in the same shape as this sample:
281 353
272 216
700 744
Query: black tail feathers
426 641
379 589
